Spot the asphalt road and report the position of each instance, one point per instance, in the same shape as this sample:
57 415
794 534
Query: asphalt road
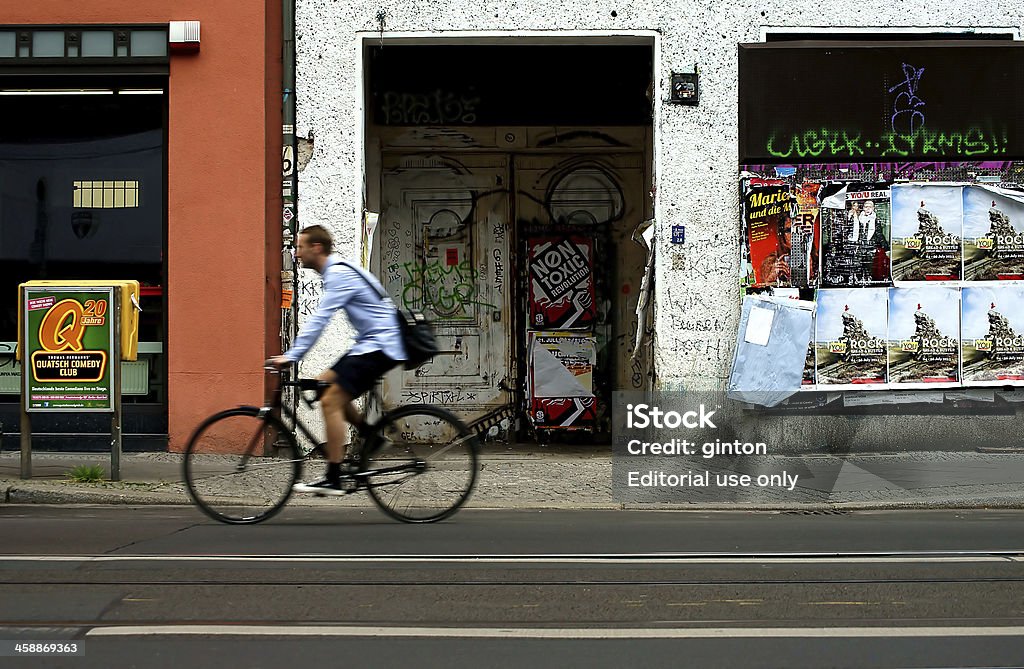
163 586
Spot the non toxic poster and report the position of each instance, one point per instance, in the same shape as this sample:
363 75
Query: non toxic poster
561 283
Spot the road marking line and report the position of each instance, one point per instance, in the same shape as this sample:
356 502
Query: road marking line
554 633
651 559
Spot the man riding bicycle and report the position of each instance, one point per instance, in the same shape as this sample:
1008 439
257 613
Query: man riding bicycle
378 345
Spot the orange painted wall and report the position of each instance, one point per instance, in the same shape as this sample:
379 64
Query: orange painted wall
220 159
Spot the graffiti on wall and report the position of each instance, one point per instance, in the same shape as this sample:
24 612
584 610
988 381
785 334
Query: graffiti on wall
435 108
441 396
841 144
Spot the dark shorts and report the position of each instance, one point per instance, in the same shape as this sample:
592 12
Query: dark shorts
358 373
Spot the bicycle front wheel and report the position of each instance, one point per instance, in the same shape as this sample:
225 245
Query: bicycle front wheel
423 465
240 466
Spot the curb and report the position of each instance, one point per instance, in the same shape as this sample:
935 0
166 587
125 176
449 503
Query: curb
42 494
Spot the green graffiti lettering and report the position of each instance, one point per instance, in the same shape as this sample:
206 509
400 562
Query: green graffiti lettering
896 146
929 142
853 145
835 144
974 142
949 143
813 144
922 142
890 140
772 151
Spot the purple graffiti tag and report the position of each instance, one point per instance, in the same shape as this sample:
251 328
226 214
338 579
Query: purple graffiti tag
906 106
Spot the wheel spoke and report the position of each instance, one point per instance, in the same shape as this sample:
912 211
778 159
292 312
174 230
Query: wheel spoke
424 467
240 466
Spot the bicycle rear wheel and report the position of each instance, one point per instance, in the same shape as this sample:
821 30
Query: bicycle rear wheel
240 466
423 465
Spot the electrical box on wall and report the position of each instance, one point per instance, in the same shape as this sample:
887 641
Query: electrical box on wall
684 88
184 35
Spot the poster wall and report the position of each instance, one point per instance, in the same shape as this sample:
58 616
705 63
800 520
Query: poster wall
924 337
927 229
850 338
917 285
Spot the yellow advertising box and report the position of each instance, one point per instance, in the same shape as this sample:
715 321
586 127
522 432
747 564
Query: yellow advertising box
129 291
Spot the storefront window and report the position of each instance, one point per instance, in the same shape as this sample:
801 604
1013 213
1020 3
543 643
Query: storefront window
82 197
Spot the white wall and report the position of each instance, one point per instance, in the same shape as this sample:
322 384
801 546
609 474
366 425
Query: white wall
696 147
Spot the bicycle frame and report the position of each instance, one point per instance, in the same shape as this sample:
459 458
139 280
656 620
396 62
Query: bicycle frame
291 419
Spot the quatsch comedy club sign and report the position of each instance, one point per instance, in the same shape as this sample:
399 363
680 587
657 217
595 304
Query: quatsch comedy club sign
69 339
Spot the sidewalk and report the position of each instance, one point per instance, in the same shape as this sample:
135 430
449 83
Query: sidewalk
566 477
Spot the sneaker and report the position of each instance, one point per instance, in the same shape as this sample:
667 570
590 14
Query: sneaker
322 487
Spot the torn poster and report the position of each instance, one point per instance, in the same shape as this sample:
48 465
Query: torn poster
992 321
806 245
768 364
562 371
768 224
562 364
927 227
849 337
369 228
567 413
561 282
855 229
808 381
993 234
643 234
924 336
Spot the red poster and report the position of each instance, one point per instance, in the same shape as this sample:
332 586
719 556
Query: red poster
564 413
561 283
768 231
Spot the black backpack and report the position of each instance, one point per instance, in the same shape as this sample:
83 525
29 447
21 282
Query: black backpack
417 331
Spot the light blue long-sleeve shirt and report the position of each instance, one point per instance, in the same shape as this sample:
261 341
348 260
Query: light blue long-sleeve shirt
374 319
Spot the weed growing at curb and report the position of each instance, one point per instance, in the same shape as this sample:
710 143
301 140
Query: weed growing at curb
86 474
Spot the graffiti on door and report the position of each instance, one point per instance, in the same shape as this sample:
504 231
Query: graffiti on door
449 290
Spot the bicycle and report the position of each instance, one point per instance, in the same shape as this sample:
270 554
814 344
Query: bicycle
418 462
